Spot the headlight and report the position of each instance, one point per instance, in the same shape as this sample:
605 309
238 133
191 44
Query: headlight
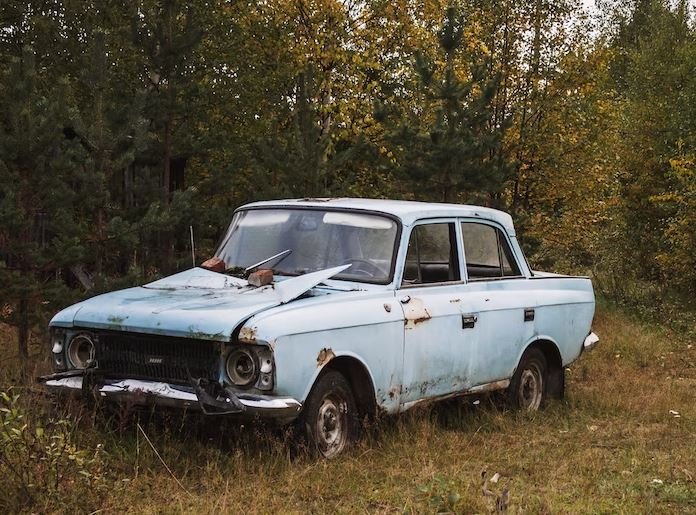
241 367
81 351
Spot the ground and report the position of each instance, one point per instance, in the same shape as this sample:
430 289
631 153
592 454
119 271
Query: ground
623 441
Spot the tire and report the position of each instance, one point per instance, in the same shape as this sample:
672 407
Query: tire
529 385
329 419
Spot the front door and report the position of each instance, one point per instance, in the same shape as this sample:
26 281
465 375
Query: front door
436 332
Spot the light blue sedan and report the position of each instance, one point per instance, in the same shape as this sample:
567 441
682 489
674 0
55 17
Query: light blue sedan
324 311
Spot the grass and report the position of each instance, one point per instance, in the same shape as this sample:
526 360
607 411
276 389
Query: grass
612 446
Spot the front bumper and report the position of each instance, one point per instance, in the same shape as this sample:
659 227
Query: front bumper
142 392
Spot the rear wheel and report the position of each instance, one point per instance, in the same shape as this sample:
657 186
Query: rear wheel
330 417
527 390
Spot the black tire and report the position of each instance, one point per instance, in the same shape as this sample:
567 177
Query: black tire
329 419
529 385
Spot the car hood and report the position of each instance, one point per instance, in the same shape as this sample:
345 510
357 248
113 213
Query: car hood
196 303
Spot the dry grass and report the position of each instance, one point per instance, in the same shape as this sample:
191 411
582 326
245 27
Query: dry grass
611 447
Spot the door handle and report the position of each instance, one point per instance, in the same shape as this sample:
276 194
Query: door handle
469 321
529 314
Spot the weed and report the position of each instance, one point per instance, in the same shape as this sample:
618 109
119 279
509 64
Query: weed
39 461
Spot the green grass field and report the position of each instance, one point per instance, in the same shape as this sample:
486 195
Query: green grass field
623 441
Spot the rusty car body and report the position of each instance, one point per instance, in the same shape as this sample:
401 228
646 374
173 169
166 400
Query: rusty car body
371 306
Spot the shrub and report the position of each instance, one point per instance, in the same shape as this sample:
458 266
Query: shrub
40 462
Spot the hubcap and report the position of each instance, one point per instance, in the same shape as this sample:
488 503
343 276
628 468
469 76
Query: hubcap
332 426
531 387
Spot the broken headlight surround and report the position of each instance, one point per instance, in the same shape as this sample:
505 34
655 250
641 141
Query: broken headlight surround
58 337
81 351
250 366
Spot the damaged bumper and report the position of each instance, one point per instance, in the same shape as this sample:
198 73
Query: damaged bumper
142 392
590 341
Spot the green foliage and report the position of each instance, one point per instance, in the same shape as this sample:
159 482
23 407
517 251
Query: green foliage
444 143
647 225
124 124
39 461
440 494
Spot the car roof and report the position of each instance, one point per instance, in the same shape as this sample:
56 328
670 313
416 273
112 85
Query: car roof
408 211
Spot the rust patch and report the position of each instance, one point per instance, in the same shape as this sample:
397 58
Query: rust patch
247 334
455 300
394 390
490 387
325 355
387 308
415 312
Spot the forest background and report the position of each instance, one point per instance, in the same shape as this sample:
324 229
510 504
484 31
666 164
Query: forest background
125 124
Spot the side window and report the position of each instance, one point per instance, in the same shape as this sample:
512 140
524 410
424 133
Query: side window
432 254
487 252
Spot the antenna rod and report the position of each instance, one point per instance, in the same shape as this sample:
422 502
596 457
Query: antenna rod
193 248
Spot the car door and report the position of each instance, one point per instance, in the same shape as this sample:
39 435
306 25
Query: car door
496 292
435 339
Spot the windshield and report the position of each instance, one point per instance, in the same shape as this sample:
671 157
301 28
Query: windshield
316 239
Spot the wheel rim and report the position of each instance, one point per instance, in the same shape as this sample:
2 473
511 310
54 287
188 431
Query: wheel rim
531 389
332 426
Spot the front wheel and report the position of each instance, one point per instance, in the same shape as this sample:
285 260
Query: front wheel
527 390
330 417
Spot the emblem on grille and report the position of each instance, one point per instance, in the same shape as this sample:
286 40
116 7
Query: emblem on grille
154 360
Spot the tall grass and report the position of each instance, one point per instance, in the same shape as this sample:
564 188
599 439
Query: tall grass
623 441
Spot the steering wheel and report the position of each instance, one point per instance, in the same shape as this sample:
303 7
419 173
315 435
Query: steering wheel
364 267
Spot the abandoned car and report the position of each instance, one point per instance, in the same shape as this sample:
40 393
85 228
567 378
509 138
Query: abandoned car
324 311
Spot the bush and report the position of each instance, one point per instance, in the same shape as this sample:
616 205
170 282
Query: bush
40 462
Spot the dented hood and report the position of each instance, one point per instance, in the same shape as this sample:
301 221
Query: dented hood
196 303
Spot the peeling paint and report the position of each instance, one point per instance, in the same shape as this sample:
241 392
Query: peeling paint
325 355
490 387
116 320
452 395
196 334
394 390
415 312
248 334
455 300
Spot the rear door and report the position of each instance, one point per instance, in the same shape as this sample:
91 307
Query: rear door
496 292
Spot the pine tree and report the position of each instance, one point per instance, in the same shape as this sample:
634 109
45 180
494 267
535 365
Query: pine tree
444 146
40 236
167 35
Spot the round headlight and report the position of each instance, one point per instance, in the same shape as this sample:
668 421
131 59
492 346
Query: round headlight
241 367
81 351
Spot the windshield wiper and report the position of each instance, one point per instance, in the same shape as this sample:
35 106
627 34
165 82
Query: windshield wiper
281 255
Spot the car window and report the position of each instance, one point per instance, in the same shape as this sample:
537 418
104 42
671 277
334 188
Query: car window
432 254
487 252
317 239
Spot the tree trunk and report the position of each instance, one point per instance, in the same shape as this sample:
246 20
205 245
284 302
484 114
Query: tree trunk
167 252
23 337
